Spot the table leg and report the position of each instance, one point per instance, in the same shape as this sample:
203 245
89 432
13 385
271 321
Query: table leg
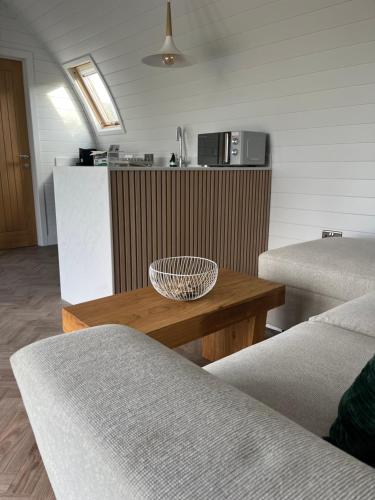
234 338
259 327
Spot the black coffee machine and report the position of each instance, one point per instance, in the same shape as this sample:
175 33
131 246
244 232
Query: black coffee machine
85 157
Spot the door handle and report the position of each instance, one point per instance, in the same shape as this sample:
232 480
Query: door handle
226 148
25 157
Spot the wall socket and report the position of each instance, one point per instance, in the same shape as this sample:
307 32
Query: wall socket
328 233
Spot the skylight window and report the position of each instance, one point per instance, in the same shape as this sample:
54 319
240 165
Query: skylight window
95 95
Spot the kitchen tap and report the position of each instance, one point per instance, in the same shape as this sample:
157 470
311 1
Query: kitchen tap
181 161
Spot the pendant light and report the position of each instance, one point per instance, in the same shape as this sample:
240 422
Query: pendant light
168 56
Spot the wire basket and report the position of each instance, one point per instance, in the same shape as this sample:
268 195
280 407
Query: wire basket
183 278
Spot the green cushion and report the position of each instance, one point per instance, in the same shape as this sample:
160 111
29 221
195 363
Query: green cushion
354 428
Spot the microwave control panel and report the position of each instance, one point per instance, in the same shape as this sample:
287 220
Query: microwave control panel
248 148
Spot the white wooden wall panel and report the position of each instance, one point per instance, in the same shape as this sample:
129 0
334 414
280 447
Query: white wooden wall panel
60 125
302 70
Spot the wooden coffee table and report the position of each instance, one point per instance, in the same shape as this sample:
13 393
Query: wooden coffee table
232 316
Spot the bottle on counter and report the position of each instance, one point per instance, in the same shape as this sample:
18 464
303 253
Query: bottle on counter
172 161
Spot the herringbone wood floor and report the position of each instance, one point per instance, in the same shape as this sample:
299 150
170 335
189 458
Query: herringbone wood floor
30 309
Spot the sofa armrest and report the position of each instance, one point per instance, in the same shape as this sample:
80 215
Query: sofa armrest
117 415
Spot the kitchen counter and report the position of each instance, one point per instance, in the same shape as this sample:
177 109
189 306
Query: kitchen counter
113 222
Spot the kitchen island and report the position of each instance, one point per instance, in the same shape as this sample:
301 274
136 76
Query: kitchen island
113 222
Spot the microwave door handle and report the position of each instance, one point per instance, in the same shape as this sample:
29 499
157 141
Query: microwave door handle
226 147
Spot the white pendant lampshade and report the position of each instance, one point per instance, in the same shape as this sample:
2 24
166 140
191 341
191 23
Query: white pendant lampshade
168 56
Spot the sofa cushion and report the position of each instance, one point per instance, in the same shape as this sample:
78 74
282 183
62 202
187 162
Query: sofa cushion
343 268
354 427
302 373
357 315
118 416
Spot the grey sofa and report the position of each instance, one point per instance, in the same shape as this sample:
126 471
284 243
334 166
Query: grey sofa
318 275
117 415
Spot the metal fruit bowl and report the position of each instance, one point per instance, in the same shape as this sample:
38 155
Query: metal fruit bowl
183 278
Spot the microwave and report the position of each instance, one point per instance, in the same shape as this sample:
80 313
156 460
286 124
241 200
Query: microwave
232 148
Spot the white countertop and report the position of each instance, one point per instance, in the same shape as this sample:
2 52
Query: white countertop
187 169
175 169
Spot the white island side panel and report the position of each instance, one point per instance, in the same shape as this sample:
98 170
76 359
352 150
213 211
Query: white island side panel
84 232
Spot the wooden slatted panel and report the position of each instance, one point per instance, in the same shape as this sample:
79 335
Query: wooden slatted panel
115 232
221 215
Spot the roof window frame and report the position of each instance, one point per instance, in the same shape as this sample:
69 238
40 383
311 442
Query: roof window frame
91 108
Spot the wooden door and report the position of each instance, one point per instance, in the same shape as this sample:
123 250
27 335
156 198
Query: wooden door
17 216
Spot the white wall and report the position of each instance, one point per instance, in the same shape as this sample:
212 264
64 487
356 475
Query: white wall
57 123
303 70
